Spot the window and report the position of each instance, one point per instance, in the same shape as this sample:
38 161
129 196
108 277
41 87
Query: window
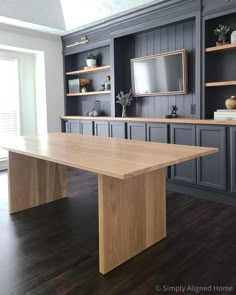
9 99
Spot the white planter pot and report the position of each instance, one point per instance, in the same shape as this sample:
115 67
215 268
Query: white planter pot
91 62
233 37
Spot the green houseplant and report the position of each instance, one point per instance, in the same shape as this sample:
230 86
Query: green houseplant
91 60
124 99
222 32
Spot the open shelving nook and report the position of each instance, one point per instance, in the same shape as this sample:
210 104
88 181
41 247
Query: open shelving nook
220 64
83 102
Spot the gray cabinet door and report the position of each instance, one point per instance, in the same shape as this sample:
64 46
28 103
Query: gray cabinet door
118 129
211 169
137 131
101 128
186 171
86 127
233 159
157 132
73 126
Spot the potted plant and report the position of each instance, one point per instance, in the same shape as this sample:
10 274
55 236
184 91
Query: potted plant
222 32
124 99
91 60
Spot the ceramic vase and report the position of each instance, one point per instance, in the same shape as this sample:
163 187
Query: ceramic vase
230 103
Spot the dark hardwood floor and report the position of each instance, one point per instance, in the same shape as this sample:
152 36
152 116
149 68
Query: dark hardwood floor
53 249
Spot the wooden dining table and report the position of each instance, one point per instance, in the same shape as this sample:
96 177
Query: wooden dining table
131 184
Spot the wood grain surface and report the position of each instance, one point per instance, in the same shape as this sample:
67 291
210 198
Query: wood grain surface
89 93
33 182
89 70
118 158
221 47
223 83
132 216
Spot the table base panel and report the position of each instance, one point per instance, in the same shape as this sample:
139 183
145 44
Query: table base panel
33 182
132 216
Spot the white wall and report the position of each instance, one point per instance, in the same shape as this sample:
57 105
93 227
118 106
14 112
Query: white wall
43 12
51 46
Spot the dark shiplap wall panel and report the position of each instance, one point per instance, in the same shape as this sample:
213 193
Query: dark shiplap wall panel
169 38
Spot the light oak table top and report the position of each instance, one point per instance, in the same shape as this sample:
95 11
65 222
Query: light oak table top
118 158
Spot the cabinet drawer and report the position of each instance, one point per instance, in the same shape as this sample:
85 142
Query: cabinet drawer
216 5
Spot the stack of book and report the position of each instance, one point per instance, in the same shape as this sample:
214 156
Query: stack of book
225 115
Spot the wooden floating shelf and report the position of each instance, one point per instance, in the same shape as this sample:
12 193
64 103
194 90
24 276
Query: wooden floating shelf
92 70
221 47
215 84
89 93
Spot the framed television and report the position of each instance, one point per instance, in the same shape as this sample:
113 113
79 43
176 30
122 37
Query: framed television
160 74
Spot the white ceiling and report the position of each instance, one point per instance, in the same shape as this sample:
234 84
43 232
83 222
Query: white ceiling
63 16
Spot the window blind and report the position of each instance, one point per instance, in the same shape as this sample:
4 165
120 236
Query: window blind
8 123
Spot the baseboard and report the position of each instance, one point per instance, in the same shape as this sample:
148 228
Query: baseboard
202 193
